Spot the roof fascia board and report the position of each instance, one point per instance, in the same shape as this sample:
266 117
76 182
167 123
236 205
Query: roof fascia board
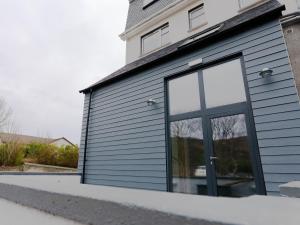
156 18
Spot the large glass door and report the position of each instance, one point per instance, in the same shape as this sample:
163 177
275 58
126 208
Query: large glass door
231 156
188 157
213 148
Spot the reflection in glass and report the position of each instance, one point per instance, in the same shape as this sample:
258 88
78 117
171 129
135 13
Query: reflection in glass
233 164
223 84
184 94
188 158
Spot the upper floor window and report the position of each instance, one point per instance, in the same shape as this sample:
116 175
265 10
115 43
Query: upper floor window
155 39
196 17
245 3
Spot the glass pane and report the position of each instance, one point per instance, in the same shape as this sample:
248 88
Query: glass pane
197 17
165 38
233 164
197 12
184 94
152 41
188 158
223 84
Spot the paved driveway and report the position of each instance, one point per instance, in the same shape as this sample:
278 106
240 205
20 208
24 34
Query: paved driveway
13 214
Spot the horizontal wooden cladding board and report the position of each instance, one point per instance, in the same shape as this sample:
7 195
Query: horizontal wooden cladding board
144 125
280 150
152 180
99 143
139 145
126 167
125 157
138 130
281 160
132 151
289 109
291 112
273 94
147 186
282 169
281 179
289 141
132 173
279 133
289 83
152 162
273 186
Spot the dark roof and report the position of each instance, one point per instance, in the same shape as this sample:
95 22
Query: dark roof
136 13
263 12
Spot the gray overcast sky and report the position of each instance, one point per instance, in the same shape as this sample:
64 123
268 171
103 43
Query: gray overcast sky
49 49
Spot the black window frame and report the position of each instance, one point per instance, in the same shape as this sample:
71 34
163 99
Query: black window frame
227 110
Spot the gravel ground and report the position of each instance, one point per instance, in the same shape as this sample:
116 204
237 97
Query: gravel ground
13 214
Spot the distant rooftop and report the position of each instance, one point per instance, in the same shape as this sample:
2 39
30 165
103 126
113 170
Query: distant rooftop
26 139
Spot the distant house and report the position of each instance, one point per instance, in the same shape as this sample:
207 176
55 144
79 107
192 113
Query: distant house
25 139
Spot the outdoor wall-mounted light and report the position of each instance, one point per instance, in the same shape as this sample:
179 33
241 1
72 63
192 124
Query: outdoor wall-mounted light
151 102
265 72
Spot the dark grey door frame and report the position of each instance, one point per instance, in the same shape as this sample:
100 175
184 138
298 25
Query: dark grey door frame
206 115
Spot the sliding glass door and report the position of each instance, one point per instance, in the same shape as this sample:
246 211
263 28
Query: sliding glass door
213 148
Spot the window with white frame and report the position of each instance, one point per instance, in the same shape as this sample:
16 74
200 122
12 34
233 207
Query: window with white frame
197 16
155 39
245 3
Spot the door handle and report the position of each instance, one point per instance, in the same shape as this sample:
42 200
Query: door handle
213 158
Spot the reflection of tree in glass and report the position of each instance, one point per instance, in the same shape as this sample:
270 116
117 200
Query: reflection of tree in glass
228 127
231 146
187 128
187 147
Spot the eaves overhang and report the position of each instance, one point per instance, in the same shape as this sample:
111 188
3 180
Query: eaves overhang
265 12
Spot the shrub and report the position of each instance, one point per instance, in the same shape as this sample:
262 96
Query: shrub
11 154
33 149
67 156
52 155
47 155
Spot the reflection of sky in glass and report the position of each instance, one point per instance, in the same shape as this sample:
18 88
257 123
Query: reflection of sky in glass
187 128
184 94
224 84
229 127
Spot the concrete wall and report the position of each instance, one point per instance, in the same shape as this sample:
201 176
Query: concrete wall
292 37
126 140
179 24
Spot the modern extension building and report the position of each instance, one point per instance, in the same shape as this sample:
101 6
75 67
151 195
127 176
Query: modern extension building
206 103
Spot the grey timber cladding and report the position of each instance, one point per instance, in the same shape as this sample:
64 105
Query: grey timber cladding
136 13
126 140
